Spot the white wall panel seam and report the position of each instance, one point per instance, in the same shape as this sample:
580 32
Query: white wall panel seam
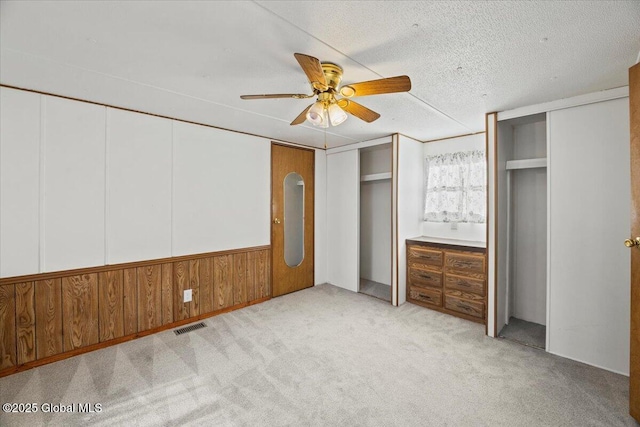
1 200
107 187
491 223
173 156
549 258
358 226
326 216
41 186
394 222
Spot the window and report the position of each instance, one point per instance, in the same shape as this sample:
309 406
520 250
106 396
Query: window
455 187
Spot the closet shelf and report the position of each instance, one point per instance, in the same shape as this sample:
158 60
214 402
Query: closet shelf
376 176
527 163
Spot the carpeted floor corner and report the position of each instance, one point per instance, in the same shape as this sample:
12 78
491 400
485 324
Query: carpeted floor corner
323 357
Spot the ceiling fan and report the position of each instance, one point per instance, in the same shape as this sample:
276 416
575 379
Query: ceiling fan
325 78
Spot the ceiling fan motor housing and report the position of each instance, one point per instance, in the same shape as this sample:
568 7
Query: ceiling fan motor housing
333 74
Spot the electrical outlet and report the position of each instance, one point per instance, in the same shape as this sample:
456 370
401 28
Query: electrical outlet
454 225
187 295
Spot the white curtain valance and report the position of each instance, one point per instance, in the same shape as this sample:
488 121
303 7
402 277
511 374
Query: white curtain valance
455 187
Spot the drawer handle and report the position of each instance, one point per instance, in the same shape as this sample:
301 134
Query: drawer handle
425 276
465 263
424 255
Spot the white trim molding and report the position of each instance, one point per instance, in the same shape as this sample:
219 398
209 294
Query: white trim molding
560 104
363 144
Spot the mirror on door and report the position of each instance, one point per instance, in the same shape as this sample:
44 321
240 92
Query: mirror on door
293 219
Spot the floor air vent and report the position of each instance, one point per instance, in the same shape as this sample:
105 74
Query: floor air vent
189 328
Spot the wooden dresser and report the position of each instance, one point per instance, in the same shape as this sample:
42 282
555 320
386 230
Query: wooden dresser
448 278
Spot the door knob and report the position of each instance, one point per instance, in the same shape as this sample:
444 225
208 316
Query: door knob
276 221
632 242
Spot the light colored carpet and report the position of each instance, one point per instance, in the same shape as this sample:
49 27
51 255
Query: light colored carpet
375 289
523 332
324 357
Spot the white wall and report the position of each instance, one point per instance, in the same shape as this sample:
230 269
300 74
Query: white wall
74 184
85 185
375 215
19 182
589 267
410 203
139 163
221 193
343 187
465 231
320 218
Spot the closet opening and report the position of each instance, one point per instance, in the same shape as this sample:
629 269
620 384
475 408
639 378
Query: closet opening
522 230
375 221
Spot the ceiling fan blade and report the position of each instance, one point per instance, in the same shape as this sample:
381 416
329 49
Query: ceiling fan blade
301 117
360 111
313 69
377 87
277 95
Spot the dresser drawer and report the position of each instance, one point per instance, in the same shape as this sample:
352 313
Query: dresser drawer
470 308
465 263
464 295
464 284
430 296
426 256
424 278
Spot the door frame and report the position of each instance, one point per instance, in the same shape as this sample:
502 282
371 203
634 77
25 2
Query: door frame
634 291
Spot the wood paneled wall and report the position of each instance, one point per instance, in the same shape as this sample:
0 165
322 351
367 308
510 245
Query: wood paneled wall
51 316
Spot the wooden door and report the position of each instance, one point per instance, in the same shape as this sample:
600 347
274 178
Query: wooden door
634 369
292 195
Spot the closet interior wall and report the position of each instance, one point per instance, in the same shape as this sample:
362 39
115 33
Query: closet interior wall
522 235
375 220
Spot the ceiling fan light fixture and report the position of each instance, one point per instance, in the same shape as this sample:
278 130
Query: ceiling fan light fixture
325 119
317 115
336 114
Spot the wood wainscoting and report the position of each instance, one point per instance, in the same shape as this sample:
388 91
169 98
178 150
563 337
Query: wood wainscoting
51 316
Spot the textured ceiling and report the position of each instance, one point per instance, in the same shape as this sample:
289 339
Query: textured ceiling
192 60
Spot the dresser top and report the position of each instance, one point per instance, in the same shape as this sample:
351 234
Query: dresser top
442 241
